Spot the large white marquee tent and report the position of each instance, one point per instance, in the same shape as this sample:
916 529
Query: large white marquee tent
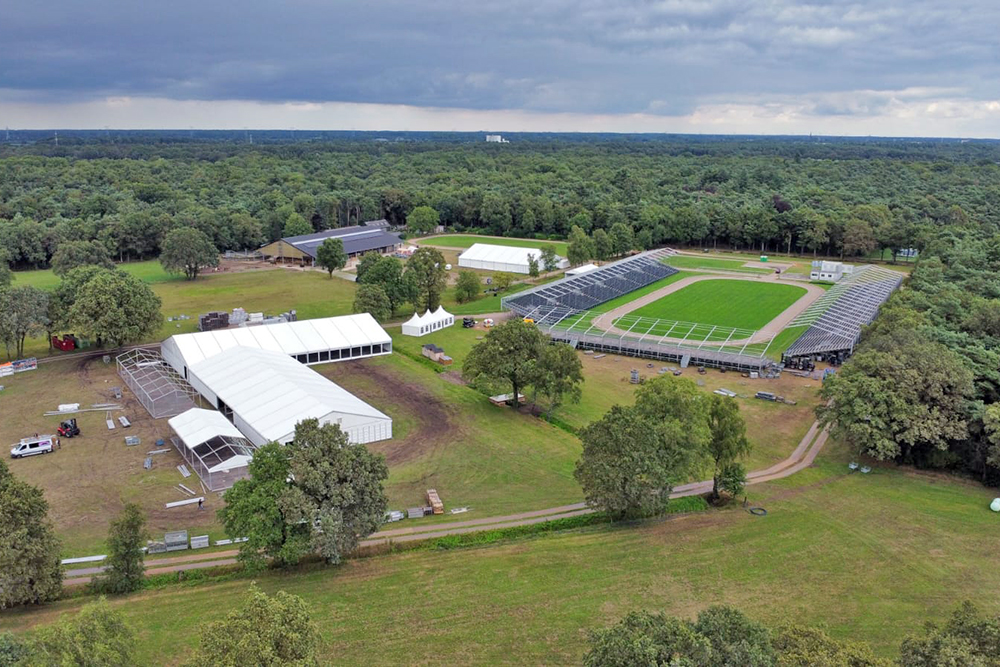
266 393
308 341
421 325
488 257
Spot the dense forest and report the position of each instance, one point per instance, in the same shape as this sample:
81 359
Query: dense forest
830 197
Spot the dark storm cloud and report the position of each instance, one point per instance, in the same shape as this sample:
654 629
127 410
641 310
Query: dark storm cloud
592 56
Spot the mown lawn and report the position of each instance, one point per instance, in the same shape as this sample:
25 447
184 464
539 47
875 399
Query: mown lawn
725 303
691 262
149 271
870 557
466 241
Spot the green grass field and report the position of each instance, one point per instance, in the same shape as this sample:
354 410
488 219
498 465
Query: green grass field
149 271
466 241
870 557
725 303
691 262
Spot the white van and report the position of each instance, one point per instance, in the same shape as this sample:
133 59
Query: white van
40 444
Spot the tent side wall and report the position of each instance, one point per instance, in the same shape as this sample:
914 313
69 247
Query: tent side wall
172 355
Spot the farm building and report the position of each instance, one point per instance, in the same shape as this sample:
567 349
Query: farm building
372 236
315 341
489 257
421 325
212 447
265 393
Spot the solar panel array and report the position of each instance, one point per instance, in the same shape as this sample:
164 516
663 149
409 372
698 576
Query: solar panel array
593 288
835 321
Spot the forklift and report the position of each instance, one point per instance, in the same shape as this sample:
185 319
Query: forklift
68 428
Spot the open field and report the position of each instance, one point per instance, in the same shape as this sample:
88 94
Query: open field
466 241
871 557
691 262
725 303
149 271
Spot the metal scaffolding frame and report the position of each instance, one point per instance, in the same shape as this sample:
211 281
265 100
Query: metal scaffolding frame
208 459
155 383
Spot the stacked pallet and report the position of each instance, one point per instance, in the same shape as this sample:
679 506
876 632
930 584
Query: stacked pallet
435 501
212 321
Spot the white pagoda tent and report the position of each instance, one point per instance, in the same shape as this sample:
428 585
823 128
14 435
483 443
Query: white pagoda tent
421 325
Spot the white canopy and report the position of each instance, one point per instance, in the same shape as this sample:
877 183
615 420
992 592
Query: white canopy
421 325
514 259
580 270
269 393
311 341
197 426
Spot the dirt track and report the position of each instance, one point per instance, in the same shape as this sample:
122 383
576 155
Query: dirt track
803 456
606 320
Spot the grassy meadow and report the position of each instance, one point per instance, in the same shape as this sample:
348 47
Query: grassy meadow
466 240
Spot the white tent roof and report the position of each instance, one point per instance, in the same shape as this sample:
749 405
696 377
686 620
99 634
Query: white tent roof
197 426
485 252
581 269
272 392
300 337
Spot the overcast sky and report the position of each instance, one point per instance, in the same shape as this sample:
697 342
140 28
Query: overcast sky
881 67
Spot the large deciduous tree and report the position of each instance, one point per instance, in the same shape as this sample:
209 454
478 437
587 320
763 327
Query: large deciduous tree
372 299
255 510
98 635
968 638
116 308
558 374
187 250
30 569
296 225
508 354
603 246
422 220
728 442
336 488
269 631
331 256
548 258
581 246
6 275
426 269
24 311
624 469
124 571
622 238
367 261
71 254
387 272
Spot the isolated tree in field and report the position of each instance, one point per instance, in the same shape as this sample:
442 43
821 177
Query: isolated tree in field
509 353
468 286
331 256
336 488
728 443
388 273
186 250
968 638
71 254
372 299
98 635
24 311
255 509
622 238
644 638
548 258
603 246
296 225
30 571
581 247
426 269
367 261
502 281
116 308
422 220
558 375
124 571
623 469
533 266
268 631
679 412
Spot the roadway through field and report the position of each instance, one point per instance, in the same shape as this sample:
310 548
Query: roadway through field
803 456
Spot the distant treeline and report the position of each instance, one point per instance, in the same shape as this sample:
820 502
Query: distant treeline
823 195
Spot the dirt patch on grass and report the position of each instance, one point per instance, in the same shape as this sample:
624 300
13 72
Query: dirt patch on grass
454 377
429 419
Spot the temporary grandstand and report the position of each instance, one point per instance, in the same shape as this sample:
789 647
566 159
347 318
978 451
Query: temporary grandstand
836 319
